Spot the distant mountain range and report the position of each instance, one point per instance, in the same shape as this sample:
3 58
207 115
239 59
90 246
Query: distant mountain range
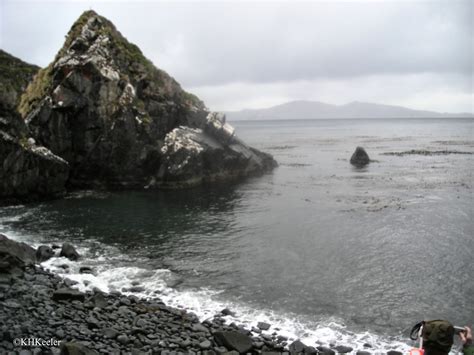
314 110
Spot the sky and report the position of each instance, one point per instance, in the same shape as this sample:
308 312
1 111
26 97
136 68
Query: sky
247 54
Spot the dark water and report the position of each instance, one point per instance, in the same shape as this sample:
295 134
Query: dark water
323 250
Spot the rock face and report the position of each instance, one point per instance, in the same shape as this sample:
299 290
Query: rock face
122 123
360 157
28 171
15 77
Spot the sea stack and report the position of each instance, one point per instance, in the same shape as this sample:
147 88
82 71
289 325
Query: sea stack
120 122
360 157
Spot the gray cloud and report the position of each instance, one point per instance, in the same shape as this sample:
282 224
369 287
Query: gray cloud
256 45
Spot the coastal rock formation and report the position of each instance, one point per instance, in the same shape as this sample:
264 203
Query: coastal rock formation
15 77
122 123
360 157
28 171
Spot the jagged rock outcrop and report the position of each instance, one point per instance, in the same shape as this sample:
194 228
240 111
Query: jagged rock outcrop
27 171
121 122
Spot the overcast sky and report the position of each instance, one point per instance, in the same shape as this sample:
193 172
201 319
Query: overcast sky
237 55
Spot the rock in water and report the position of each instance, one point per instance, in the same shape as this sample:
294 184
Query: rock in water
68 251
120 122
44 253
360 157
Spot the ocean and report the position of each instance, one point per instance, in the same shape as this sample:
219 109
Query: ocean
323 251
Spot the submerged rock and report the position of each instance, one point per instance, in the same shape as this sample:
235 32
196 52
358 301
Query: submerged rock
360 157
122 123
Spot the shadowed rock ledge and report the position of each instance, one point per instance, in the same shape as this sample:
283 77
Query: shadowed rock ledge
120 122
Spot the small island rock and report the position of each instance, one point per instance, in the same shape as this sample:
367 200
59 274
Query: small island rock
360 157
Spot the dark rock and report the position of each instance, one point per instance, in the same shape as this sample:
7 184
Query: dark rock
310 350
28 171
297 347
227 312
67 294
198 327
120 122
263 326
393 352
136 289
68 251
85 270
341 349
44 253
234 340
326 351
123 339
110 333
360 157
73 348
99 300
16 74
363 353
206 344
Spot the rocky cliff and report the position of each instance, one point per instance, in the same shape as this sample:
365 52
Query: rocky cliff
122 123
28 171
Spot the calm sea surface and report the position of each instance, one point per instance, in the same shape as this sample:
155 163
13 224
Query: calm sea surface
324 251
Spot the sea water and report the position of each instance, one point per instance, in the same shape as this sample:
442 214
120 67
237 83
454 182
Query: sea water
325 252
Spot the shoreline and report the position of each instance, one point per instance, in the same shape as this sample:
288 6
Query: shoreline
38 304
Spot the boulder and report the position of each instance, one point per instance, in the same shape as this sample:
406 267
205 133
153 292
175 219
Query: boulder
263 326
68 251
360 157
190 157
325 351
297 347
227 312
120 122
73 348
15 256
85 270
234 340
342 349
68 294
44 253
